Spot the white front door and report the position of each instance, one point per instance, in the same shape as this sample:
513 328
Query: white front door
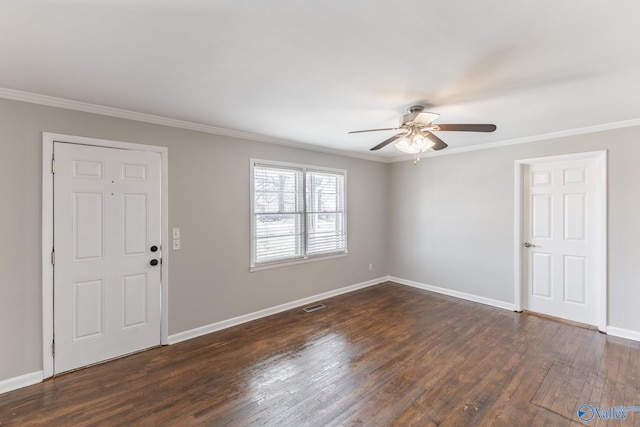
561 239
107 230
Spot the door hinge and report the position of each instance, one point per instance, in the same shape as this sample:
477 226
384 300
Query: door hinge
53 257
53 348
53 166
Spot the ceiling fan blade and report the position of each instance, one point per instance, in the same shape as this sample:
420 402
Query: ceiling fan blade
372 130
467 128
438 144
389 141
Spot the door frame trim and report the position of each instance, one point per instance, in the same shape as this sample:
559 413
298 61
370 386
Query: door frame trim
600 158
47 234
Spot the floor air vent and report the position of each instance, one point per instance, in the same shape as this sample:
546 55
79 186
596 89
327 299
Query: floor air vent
313 308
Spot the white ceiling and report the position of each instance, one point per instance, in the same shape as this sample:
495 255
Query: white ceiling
309 72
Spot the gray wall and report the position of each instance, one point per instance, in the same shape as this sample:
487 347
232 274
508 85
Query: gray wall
447 222
208 200
451 219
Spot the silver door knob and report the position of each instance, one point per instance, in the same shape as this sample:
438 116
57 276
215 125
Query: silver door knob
529 245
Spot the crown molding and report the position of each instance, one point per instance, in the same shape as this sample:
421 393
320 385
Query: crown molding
524 140
51 101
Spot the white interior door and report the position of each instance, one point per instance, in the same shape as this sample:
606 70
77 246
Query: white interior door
562 239
106 222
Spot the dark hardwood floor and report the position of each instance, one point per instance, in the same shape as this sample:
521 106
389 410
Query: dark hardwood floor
384 355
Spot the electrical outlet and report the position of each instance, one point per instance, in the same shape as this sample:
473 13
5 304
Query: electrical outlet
176 244
370 267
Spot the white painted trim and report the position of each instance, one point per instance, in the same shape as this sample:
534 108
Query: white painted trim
602 250
47 247
296 261
47 234
224 324
600 157
623 333
36 377
517 232
50 101
456 294
21 381
305 258
535 138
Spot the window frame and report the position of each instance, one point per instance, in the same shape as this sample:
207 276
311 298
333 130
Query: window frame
306 257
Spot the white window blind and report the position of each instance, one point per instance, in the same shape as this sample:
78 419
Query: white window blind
298 213
325 212
278 215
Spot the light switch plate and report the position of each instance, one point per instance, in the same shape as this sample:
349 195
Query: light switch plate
176 244
176 233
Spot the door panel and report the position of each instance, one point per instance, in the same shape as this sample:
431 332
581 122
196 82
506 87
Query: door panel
559 224
134 223
541 274
135 294
542 220
575 284
106 217
88 226
87 309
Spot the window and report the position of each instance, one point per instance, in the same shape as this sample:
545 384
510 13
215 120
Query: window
298 213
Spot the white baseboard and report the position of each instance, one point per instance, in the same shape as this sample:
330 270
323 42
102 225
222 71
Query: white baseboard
21 381
457 294
36 377
611 330
213 327
623 333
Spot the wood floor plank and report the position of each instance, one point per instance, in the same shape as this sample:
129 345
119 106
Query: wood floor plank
381 356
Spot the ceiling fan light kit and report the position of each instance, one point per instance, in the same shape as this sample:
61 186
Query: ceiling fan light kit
414 143
417 137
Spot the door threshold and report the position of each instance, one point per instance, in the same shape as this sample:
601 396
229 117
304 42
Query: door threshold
561 320
102 362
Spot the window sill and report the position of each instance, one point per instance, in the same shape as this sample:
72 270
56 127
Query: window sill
296 262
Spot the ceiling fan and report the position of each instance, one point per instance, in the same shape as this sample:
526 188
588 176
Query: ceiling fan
416 132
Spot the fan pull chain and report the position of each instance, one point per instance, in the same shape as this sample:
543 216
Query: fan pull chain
416 159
